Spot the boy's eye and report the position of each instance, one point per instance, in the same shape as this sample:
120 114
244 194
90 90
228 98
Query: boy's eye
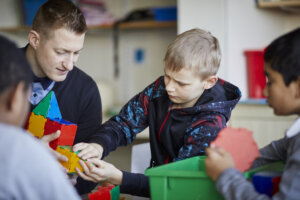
182 84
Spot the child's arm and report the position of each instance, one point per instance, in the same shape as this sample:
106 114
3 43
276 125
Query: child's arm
232 184
100 171
275 151
122 129
201 133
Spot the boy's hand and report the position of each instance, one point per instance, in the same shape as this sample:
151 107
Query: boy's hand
217 161
88 150
46 139
98 170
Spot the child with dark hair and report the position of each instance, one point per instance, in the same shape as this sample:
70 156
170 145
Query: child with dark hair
282 69
27 169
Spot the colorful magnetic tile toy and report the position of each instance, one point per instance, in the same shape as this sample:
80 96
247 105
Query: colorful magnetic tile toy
73 159
46 119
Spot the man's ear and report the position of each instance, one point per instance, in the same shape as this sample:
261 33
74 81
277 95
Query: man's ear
210 82
34 38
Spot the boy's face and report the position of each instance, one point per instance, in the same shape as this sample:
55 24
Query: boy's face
57 53
24 109
183 87
282 98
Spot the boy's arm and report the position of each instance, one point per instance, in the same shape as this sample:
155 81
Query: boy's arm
132 119
232 184
200 135
275 151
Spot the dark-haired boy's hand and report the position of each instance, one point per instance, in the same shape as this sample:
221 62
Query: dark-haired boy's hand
46 139
217 161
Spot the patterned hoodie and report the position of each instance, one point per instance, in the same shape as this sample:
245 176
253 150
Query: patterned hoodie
175 134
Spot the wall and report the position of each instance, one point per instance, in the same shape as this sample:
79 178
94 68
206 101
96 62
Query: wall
96 58
240 26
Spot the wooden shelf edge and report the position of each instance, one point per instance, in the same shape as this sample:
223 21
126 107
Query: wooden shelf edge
15 29
274 4
123 25
148 24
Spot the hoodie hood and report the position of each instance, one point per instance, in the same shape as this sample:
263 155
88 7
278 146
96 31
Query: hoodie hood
221 98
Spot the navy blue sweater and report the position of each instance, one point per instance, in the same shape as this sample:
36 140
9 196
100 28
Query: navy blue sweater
80 103
175 134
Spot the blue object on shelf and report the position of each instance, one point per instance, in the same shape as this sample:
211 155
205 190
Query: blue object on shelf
165 13
30 9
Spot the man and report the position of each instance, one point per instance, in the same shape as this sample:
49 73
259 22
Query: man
27 169
55 41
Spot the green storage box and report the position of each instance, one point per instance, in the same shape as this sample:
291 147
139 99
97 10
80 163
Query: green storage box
187 179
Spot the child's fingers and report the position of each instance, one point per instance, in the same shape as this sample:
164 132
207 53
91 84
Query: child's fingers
85 177
221 151
51 137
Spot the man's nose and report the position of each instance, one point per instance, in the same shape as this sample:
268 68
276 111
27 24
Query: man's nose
69 63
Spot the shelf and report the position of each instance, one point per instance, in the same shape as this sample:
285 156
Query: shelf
123 25
138 25
282 3
15 29
147 24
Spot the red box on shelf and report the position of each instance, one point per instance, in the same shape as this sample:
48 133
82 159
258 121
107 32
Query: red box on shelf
255 73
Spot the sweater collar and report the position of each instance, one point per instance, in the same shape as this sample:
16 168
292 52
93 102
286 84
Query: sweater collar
294 129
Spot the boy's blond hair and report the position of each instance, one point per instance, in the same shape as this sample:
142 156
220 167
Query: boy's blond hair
195 49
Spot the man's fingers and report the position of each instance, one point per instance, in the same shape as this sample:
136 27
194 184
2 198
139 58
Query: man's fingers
51 137
79 146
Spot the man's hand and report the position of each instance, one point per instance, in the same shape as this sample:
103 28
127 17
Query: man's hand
217 161
98 171
46 139
88 150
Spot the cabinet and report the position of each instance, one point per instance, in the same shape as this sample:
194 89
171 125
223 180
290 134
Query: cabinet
260 119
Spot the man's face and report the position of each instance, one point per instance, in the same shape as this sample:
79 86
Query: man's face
279 96
57 53
183 87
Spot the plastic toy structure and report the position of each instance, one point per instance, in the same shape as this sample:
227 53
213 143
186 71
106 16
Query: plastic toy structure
73 159
240 144
111 192
46 119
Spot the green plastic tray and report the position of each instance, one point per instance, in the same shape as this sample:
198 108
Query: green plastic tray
187 179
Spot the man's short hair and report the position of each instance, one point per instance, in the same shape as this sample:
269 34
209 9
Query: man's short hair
14 67
283 54
195 49
55 14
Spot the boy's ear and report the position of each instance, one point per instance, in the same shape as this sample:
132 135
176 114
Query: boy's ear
15 99
210 82
298 88
34 38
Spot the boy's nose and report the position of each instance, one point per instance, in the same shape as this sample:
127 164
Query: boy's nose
265 91
170 87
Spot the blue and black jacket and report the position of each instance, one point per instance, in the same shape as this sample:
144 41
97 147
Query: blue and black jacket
174 134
